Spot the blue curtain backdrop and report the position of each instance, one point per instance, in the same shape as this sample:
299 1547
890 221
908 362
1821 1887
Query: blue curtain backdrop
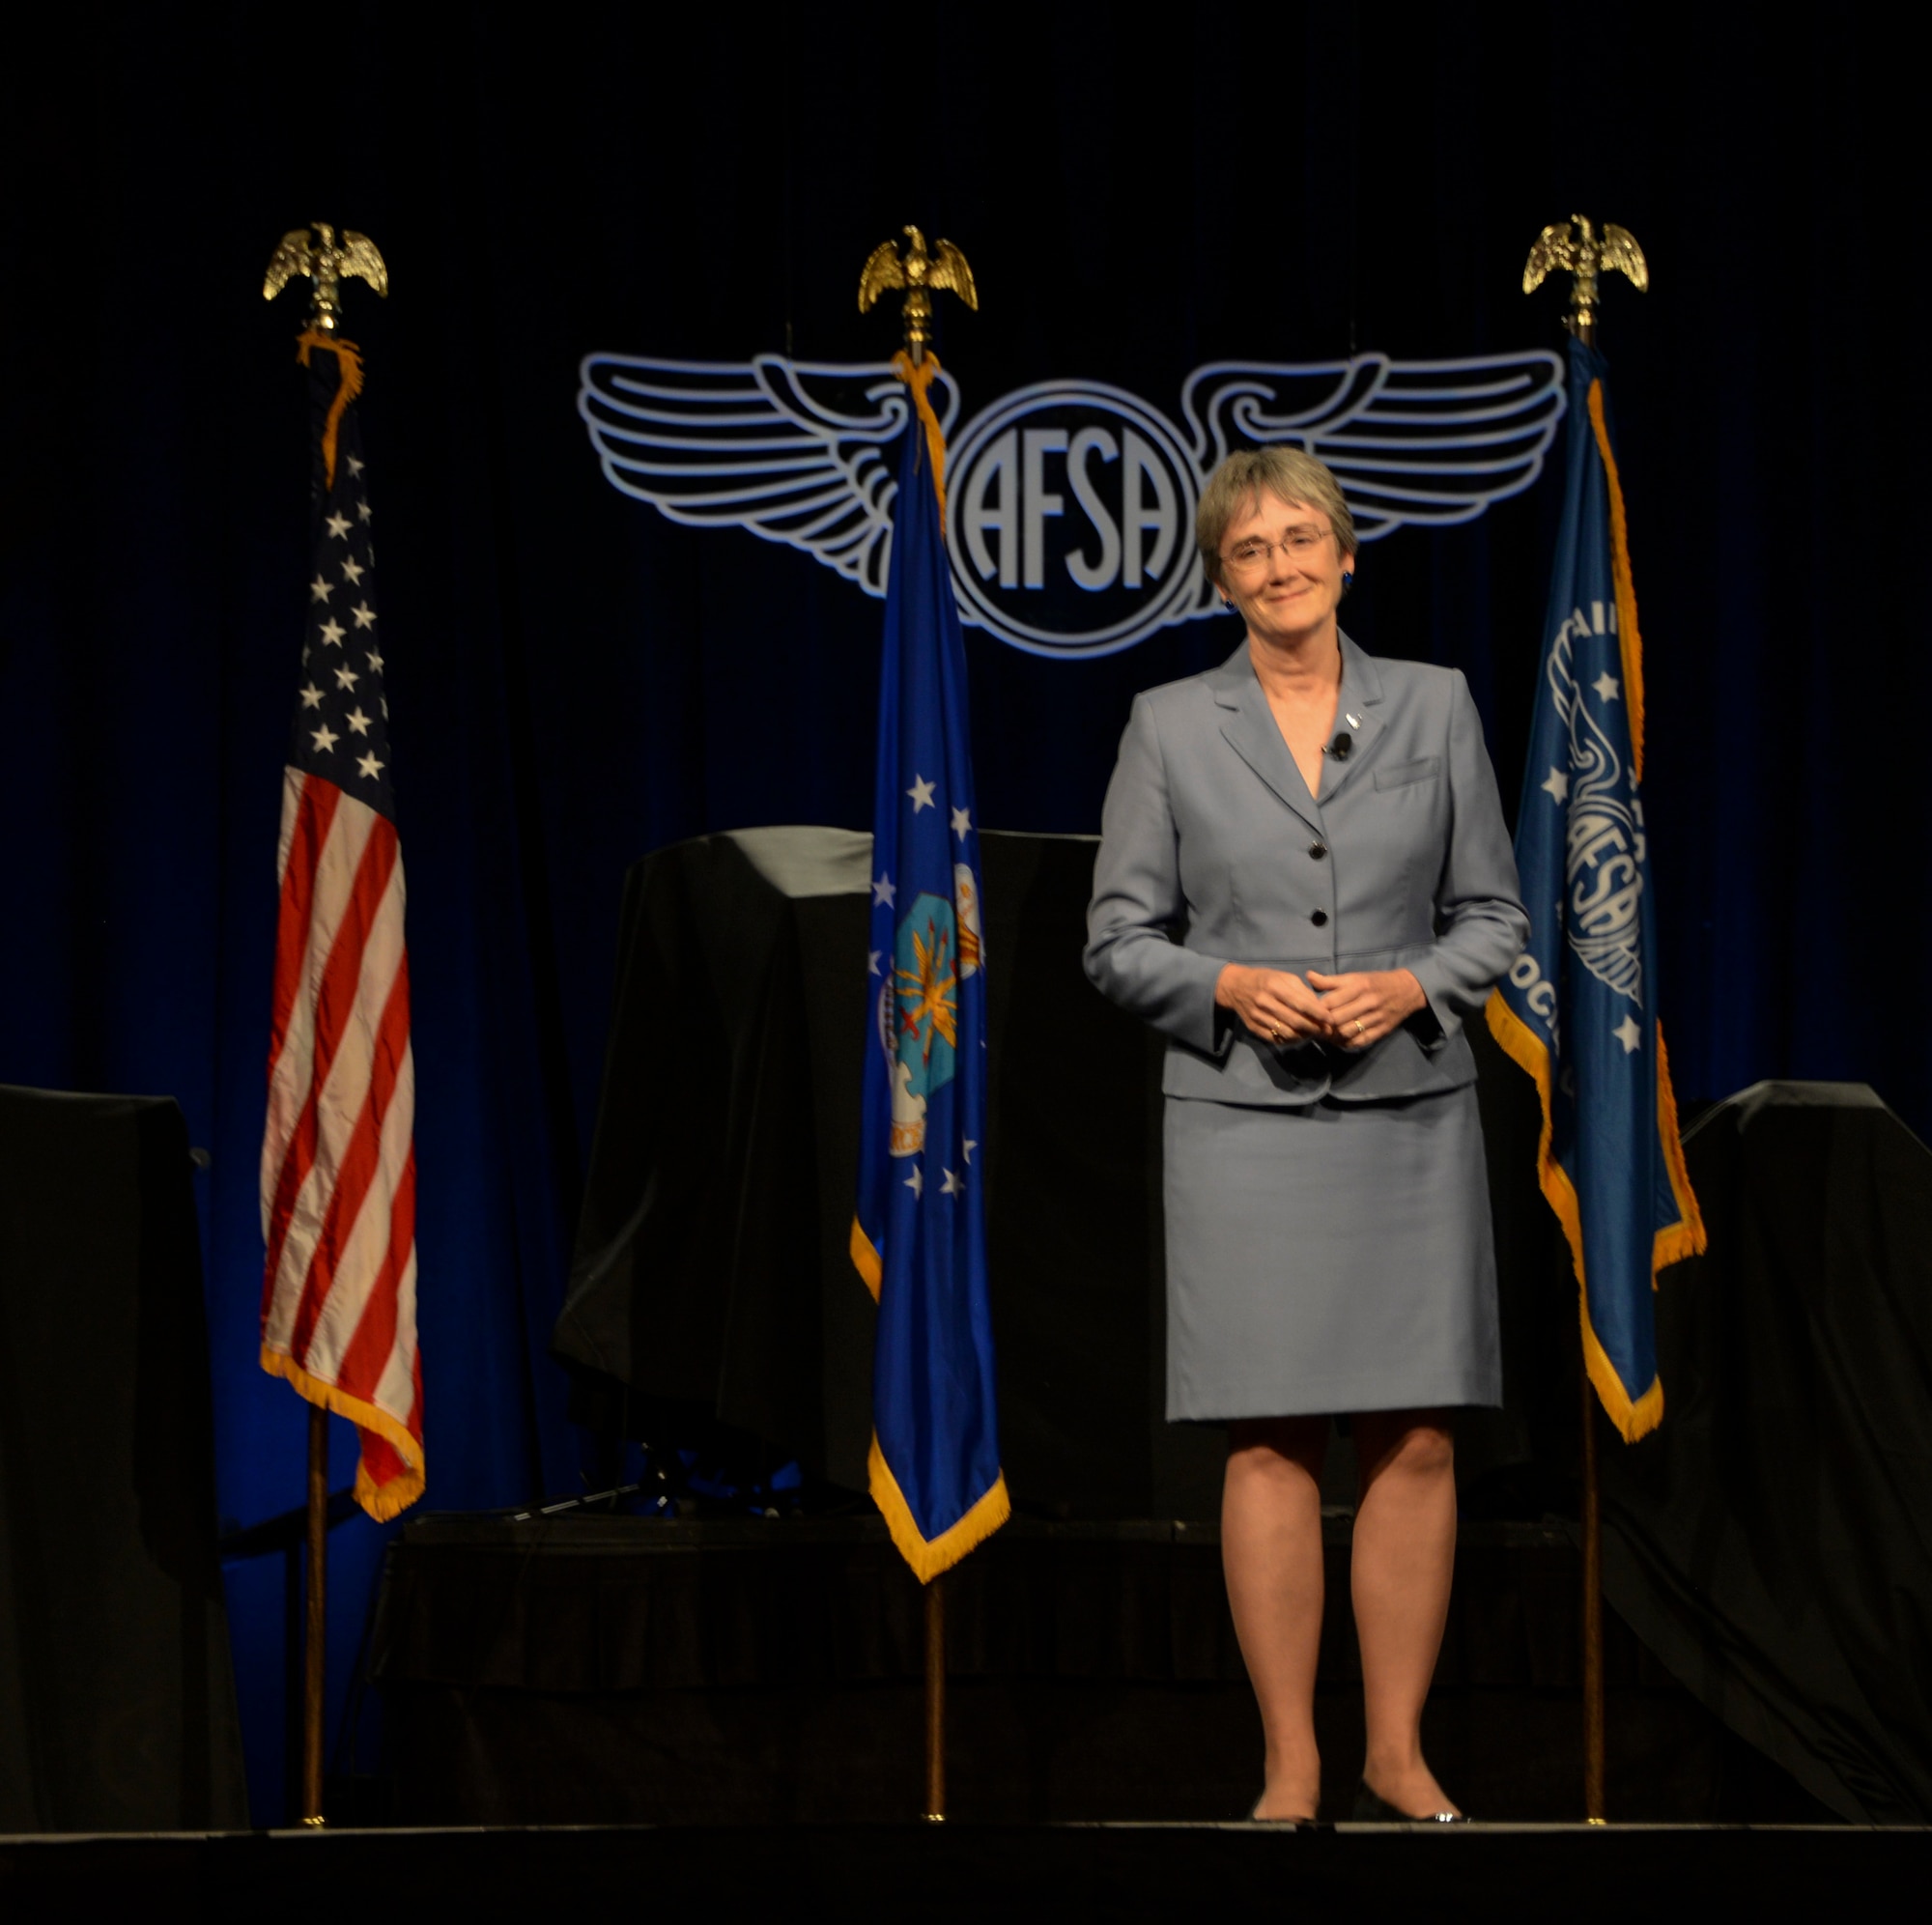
575 680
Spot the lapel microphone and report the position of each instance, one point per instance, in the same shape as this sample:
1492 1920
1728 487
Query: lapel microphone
1343 746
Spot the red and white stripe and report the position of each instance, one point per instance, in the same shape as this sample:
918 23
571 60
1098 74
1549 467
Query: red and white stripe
338 1158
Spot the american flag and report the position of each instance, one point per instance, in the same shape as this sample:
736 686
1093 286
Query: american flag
338 1157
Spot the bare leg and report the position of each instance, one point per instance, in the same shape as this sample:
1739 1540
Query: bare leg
1271 1551
1405 1554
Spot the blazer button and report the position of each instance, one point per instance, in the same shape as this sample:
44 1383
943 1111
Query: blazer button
1320 917
1318 850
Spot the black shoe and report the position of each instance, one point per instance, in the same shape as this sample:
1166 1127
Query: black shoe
1371 1808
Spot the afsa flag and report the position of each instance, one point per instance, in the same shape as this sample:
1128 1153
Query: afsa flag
1578 1011
919 1237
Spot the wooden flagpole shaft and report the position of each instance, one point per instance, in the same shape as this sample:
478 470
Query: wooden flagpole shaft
935 1701
1584 327
314 1617
1592 1617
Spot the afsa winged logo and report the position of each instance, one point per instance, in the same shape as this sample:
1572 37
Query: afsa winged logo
1070 504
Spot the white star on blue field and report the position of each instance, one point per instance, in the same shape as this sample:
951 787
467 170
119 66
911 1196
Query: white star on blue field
342 718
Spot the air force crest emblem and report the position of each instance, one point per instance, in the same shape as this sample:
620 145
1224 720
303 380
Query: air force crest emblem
937 945
1069 503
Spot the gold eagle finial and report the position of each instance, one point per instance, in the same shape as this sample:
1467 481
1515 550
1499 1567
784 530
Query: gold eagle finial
325 264
921 274
1573 246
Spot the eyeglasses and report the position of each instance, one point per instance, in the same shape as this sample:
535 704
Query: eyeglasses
1253 555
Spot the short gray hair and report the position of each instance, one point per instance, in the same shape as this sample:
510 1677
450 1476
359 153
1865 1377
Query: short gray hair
1291 473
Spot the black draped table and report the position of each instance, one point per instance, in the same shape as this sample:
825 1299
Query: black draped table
623 1670
1772 1542
712 1272
117 1699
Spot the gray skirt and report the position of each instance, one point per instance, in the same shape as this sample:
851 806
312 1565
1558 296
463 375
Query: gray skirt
1332 1257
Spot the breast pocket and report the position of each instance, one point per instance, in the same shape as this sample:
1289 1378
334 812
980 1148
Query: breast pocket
1411 819
1405 773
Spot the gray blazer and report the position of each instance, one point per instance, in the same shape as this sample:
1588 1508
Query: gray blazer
1212 850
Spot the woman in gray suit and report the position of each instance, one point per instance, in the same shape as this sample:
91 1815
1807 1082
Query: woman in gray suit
1304 880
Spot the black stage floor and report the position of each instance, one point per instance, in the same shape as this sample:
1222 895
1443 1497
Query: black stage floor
967 1871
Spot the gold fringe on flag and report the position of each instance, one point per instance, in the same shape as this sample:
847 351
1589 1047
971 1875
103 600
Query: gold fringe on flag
349 360
930 1557
382 1501
917 376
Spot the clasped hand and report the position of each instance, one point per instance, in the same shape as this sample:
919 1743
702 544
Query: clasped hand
1353 1010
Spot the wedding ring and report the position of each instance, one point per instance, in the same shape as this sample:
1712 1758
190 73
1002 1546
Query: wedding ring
1360 1026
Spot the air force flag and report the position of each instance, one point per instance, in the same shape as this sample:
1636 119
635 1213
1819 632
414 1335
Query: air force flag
1579 1009
919 1237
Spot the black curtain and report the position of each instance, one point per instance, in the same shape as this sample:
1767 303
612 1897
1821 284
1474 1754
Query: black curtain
575 680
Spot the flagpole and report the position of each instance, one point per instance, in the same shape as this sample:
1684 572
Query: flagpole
1593 1616
1583 320
1584 325
314 1629
935 1701
923 646
325 773
1587 253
